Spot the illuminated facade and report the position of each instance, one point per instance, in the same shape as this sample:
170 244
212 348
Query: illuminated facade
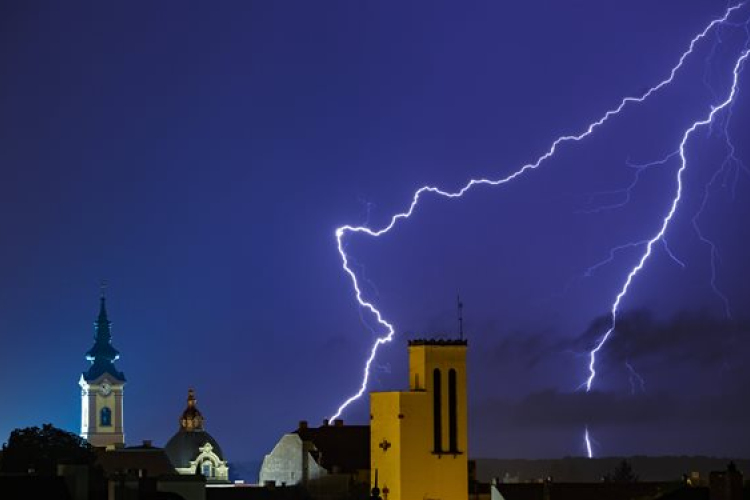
102 389
330 461
418 438
192 449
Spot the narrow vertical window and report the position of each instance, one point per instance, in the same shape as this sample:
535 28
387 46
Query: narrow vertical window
437 414
207 469
106 417
452 412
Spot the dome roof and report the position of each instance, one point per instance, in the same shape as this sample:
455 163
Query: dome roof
185 446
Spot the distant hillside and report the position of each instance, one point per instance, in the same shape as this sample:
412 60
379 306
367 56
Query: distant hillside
580 469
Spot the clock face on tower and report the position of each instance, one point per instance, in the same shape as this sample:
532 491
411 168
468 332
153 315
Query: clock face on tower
106 389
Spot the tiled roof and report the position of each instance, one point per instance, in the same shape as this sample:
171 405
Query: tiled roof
346 447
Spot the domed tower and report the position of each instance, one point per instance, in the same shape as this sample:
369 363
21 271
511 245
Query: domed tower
102 388
192 449
192 418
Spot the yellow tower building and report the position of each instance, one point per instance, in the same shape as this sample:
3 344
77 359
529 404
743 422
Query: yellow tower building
419 438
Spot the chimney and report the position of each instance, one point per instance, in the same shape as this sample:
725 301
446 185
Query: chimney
338 422
325 422
147 443
303 424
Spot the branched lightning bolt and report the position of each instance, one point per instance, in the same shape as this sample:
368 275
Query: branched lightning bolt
635 244
730 166
342 231
667 219
627 191
634 375
671 254
659 236
724 168
714 253
612 253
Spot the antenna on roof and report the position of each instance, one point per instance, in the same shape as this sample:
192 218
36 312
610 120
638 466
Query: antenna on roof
460 317
102 287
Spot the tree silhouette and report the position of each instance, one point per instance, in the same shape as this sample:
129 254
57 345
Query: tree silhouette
623 473
41 450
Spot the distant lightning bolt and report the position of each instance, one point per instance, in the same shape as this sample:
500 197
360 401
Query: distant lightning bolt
730 166
627 191
635 244
671 254
634 375
714 253
587 442
667 219
731 162
612 253
343 231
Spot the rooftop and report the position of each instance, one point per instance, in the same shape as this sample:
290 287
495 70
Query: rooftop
345 448
438 342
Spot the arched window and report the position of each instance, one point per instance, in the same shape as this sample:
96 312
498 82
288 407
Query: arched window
105 417
436 409
207 469
452 412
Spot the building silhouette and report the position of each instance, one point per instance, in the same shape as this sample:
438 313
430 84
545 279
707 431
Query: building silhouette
726 484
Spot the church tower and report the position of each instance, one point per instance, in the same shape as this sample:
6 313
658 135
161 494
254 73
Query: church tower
418 438
101 389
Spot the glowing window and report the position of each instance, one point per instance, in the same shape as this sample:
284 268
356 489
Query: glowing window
207 469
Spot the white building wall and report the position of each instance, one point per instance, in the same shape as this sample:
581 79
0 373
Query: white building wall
290 463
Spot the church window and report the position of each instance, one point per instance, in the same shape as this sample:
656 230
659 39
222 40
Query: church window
452 412
106 417
206 469
437 412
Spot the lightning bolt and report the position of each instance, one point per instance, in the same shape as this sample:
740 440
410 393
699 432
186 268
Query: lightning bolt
634 375
667 219
343 231
725 169
713 251
731 166
613 252
627 191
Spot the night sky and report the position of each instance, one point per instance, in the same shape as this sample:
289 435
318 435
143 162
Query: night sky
200 158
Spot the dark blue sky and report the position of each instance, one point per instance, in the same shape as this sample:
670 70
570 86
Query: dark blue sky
200 159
